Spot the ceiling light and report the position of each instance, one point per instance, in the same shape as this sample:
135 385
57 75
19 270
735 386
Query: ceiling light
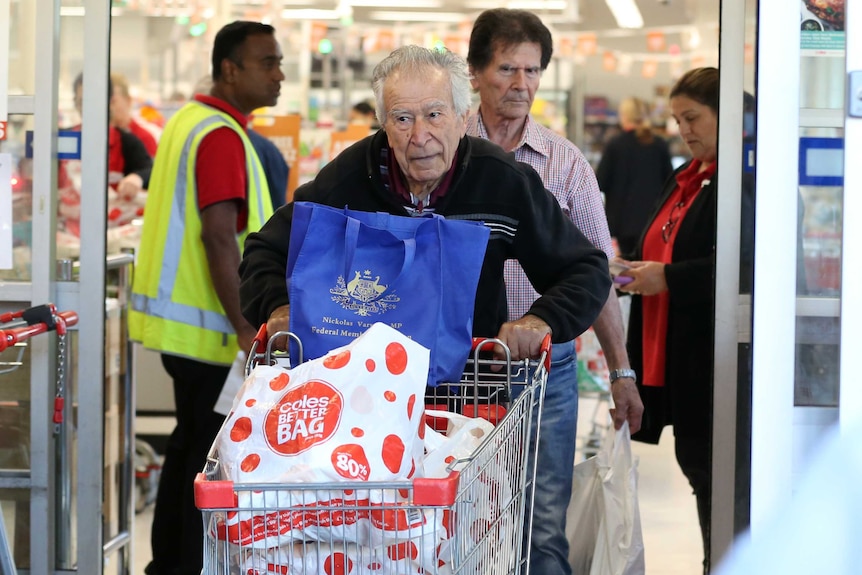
626 13
401 16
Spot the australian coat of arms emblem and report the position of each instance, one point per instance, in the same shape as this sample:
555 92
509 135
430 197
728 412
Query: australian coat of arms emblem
363 295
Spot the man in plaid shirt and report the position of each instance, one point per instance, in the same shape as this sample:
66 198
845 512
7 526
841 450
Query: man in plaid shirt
509 50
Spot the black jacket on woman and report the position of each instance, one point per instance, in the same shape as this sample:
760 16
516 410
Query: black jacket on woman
489 186
685 401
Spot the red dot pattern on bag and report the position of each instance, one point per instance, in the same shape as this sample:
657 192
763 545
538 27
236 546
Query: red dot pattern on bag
422 425
370 365
338 360
250 463
338 564
402 551
304 417
393 452
375 566
231 514
280 382
404 493
412 469
396 358
251 402
410 403
449 459
241 429
390 396
350 462
356 432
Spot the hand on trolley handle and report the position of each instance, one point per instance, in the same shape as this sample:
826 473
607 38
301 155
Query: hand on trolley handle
524 337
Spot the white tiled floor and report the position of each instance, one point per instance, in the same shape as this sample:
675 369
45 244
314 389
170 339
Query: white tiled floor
668 514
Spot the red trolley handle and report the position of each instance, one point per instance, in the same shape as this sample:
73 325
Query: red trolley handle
545 347
258 344
9 337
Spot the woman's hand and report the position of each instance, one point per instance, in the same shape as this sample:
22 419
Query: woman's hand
648 278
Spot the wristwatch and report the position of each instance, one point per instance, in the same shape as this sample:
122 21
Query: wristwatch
618 373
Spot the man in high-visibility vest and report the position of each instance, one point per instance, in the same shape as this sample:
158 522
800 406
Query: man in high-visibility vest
207 192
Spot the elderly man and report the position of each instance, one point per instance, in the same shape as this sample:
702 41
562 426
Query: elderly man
422 161
508 51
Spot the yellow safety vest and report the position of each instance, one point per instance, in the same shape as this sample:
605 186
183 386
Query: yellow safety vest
175 309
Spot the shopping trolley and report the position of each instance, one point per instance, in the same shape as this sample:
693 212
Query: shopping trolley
473 521
18 327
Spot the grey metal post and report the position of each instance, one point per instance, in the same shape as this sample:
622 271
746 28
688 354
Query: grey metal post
42 354
91 366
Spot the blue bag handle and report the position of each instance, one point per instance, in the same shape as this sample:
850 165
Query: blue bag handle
351 239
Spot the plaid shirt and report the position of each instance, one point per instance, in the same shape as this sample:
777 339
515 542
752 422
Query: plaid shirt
566 174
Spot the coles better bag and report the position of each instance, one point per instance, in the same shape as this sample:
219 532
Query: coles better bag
348 269
603 523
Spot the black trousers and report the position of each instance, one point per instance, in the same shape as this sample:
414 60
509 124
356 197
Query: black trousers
177 532
694 456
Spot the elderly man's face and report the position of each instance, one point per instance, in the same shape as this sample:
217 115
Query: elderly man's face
422 126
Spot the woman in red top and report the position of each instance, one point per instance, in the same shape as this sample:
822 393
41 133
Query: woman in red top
671 327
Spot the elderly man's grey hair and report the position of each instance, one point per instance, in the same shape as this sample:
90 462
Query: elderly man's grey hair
417 59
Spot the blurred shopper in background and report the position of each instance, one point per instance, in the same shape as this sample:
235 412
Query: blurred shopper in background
671 331
634 166
185 295
509 50
123 117
129 167
363 113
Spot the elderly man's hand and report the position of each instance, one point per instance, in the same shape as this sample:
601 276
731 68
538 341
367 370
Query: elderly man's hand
279 320
627 404
524 338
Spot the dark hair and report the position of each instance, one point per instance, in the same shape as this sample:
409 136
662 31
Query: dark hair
503 28
364 108
79 81
230 39
701 85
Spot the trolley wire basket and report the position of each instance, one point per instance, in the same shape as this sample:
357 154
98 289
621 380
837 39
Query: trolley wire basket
473 521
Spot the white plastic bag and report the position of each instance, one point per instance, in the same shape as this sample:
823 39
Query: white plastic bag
463 436
603 519
354 414
232 385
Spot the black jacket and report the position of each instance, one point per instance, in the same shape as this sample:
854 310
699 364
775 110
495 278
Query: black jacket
685 401
525 220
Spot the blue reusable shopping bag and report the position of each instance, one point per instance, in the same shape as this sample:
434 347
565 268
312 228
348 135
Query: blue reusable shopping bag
347 270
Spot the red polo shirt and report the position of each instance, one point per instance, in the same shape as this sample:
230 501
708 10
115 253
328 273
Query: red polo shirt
220 166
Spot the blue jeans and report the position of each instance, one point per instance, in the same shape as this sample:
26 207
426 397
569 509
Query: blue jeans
549 551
